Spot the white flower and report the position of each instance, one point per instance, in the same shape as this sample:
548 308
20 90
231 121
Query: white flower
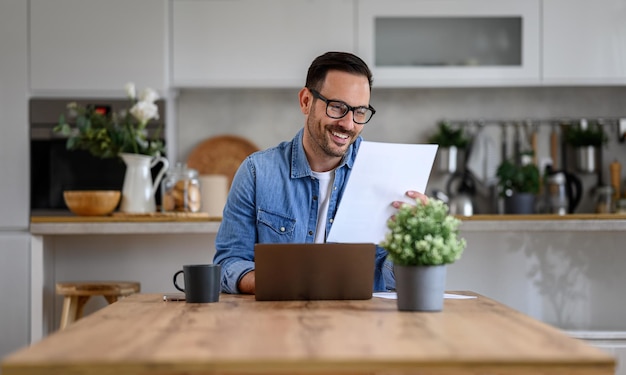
145 111
149 95
130 90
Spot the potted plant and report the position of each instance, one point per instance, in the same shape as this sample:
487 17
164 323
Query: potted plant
451 142
519 184
585 138
422 240
123 134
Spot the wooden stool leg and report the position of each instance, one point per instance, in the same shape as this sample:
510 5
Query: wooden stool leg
66 313
82 300
72 310
110 299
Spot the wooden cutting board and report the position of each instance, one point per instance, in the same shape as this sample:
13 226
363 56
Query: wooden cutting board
220 155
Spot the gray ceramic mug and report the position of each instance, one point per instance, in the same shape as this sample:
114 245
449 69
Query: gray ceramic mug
202 282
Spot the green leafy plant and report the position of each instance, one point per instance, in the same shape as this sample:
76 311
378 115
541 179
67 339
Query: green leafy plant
106 135
518 178
446 136
423 235
592 135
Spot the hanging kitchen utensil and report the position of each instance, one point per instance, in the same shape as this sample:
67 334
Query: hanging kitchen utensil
504 141
554 146
533 128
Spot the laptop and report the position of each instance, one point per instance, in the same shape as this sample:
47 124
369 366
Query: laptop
314 271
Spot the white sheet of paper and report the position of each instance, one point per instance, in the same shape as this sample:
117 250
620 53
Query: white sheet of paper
393 295
382 173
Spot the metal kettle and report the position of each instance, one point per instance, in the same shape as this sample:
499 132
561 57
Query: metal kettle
461 202
563 191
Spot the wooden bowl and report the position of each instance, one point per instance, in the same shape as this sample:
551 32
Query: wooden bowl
92 202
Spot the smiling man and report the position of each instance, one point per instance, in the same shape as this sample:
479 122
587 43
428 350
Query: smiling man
290 193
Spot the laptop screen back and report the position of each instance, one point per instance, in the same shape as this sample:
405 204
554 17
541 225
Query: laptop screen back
330 271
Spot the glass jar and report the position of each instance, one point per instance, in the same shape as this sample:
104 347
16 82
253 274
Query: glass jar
180 190
604 200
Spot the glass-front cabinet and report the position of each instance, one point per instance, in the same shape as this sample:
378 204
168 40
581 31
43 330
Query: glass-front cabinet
450 42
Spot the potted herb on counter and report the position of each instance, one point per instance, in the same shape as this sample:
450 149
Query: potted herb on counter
518 184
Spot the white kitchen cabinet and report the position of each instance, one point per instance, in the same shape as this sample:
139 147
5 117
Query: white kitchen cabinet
250 43
584 42
14 289
14 142
84 47
411 43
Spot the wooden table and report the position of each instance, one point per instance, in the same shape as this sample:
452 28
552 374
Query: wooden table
142 334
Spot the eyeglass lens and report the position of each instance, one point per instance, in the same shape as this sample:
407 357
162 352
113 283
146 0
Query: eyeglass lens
337 109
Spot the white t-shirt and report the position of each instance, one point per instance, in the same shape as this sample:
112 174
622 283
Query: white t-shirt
326 180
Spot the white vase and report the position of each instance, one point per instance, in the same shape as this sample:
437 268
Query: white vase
139 189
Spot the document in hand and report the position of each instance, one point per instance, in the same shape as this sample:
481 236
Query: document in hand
382 173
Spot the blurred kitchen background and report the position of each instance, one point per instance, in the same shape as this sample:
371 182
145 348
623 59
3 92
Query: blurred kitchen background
404 115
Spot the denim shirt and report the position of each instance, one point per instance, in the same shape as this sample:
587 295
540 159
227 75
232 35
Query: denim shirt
273 199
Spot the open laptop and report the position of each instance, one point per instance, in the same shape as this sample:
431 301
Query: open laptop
329 271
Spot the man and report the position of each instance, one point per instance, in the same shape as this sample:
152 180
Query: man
290 193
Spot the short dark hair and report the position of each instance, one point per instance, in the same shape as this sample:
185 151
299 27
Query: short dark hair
341 61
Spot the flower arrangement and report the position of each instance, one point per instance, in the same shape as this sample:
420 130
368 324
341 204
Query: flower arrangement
423 235
106 135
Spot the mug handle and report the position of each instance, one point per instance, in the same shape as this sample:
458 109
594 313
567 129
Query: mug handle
162 171
175 284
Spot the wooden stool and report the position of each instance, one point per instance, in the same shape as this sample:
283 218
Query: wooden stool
76 295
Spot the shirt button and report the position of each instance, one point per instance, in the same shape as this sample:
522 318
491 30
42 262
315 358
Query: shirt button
282 229
310 233
331 220
315 197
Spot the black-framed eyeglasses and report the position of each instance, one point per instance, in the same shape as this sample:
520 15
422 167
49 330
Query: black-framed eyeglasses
337 109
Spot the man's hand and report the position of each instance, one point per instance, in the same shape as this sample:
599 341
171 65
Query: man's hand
247 283
411 194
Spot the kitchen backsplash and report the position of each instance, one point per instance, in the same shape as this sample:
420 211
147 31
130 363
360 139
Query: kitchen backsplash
268 116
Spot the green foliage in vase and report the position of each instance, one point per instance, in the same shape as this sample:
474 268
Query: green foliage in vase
108 135
423 235
446 136
592 135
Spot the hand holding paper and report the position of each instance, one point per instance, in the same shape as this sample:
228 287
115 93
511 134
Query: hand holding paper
381 174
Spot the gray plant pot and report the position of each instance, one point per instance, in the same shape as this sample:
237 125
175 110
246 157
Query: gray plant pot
420 288
520 203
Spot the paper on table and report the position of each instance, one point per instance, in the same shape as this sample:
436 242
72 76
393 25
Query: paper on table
382 173
393 295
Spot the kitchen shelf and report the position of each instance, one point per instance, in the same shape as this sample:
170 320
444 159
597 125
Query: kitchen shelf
544 223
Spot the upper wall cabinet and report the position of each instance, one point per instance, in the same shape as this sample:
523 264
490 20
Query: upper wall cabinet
95 47
584 42
450 42
251 43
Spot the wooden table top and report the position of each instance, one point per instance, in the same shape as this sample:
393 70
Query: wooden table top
238 335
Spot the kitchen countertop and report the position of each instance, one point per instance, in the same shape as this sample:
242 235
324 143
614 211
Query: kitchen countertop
175 224
62 223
